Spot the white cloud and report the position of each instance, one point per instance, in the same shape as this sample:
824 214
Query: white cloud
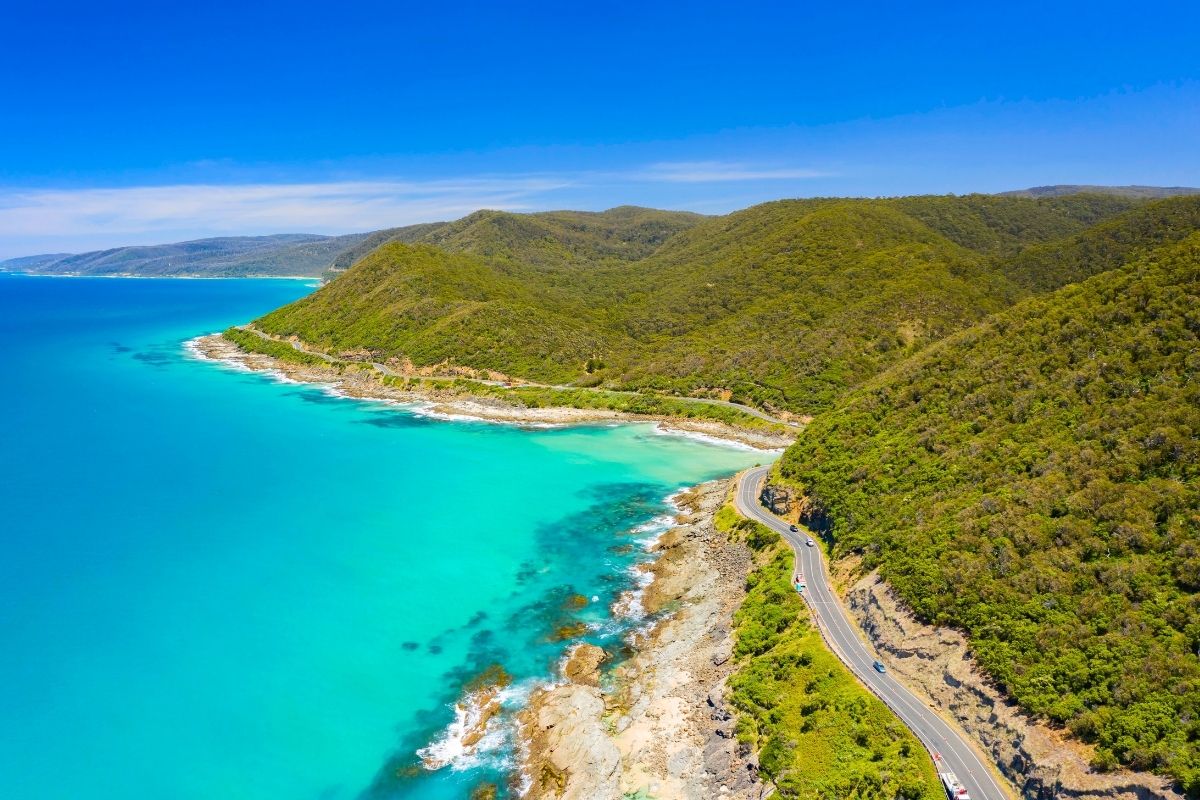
258 208
38 220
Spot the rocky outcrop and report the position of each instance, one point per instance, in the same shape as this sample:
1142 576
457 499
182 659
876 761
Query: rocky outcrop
660 726
1041 761
571 756
777 498
582 665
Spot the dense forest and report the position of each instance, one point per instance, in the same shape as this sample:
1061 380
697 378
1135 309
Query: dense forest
1034 480
785 305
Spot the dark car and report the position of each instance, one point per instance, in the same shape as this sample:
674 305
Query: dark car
879 667
793 528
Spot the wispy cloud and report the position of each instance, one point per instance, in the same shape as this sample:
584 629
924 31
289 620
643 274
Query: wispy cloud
57 219
340 206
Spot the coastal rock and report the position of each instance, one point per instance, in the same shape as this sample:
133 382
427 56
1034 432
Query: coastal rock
1042 762
480 704
583 664
663 714
569 754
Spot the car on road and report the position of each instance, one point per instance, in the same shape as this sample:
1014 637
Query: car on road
810 543
879 667
793 528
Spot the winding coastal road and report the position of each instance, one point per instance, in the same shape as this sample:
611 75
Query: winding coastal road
942 740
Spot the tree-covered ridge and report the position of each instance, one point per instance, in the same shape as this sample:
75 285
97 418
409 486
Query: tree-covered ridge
1142 192
995 224
784 305
424 304
1104 246
552 240
1036 481
546 240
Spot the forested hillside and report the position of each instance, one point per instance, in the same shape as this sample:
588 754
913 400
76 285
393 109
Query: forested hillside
1034 480
1104 246
300 254
785 305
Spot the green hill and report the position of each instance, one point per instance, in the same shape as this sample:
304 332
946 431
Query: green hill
784 305
996 224
424 304
1142 192
1035 480
1104 246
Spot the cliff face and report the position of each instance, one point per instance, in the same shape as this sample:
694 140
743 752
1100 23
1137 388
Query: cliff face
658 724
1041 761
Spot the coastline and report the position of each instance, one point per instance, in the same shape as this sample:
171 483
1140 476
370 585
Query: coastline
657 724
432 402
130 276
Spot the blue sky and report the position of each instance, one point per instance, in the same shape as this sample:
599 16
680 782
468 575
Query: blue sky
134 123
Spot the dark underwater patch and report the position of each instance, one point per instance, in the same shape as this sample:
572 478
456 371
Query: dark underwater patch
156 357
317 397
394 420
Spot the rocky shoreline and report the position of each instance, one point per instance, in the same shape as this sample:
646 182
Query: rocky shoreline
448 405
657 724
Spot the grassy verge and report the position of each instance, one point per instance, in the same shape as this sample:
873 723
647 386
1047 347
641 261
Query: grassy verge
817 731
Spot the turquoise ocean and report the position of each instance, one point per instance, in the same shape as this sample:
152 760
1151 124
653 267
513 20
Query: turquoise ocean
214 584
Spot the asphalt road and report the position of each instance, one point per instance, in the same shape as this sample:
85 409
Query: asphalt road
947 744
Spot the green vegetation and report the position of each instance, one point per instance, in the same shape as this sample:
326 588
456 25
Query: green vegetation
526 396
818 732
1105 246
1035 480
1143 192
280 350
783 306
992 224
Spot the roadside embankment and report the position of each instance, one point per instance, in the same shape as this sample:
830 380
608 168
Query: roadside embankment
1043 762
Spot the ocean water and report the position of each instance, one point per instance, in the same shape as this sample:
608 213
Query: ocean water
216 585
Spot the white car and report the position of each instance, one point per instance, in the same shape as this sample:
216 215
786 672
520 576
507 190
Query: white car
810 543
